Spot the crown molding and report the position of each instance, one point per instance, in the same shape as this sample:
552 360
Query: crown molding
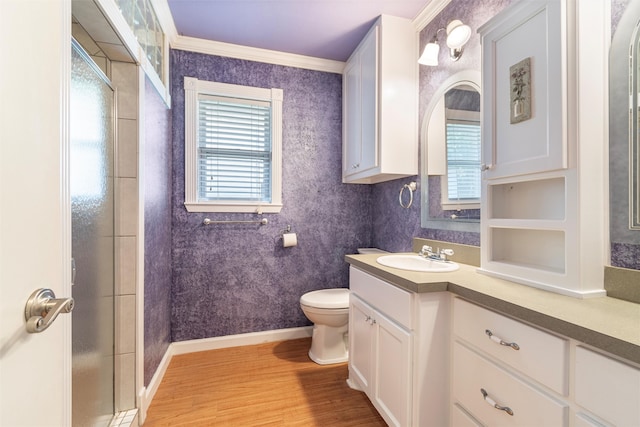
255 54
429 12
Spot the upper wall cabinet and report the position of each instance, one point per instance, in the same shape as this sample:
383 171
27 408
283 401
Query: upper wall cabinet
522 65
380 117
544 128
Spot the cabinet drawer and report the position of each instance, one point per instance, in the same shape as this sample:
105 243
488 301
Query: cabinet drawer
385 297
460 418
540 355
607 388
531 407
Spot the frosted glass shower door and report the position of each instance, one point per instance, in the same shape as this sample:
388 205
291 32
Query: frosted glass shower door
92 198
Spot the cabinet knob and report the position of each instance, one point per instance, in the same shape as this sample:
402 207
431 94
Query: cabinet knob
356 166
485 167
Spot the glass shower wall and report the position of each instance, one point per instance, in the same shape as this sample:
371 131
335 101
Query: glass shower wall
92 199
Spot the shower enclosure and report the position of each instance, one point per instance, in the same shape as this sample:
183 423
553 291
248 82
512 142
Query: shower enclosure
92 197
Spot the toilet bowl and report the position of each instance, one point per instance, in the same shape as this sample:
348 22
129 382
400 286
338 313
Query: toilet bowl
328 309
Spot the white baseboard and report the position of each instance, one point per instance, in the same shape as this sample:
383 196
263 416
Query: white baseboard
193 346
149 392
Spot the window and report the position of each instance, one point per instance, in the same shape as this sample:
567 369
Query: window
233 147
461 186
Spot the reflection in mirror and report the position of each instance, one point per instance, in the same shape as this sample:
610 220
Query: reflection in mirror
634 140
451 147
460 184
624 139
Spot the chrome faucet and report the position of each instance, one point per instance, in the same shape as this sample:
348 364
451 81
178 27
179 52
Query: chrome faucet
439 254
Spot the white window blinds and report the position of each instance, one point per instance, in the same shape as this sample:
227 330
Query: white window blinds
234 149
463 160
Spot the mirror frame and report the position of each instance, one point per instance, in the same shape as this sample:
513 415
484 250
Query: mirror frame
465 77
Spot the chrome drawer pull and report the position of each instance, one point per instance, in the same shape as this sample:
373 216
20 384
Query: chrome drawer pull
499 340
493 403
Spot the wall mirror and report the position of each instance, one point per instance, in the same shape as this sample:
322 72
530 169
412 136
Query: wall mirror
624 128
634 139
451 150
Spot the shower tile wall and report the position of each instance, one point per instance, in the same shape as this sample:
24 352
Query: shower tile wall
232 279
124 78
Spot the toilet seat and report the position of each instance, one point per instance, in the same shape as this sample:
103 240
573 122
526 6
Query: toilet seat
326 298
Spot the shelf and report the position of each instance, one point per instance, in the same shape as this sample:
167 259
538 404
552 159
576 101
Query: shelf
535 199
527 224
531 248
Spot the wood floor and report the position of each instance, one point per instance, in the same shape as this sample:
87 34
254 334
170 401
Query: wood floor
273 384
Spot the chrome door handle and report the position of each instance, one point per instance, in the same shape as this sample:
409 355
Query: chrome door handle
42 309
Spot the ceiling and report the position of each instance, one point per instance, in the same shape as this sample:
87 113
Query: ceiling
327 29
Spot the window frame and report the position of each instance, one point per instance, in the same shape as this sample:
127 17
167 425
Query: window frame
194 87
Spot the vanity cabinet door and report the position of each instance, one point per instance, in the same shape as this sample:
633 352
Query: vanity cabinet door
380 361
360 344
392 389
607 388
524 103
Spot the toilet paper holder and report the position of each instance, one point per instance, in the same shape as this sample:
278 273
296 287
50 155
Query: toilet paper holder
288 237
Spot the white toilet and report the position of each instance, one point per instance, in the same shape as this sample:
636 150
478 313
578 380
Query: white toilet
328 309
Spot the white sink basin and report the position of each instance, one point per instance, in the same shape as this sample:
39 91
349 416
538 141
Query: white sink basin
417 263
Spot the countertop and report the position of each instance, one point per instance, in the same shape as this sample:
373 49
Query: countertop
609 324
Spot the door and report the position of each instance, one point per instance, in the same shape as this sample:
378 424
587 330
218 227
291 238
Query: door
92 198
35 235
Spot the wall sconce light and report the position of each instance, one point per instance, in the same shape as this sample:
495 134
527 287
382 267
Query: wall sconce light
458 34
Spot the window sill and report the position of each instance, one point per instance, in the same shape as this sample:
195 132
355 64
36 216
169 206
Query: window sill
232 207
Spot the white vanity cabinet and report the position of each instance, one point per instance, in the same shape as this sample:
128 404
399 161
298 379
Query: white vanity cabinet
606 390
380 347
398 350
505 372
534 377
380 124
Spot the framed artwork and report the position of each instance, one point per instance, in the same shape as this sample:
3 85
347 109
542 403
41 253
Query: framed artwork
520 81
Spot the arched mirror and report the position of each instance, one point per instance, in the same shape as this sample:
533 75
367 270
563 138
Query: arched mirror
451 155
624 136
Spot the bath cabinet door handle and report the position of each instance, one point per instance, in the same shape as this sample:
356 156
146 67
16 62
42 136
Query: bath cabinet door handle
493 403
498 340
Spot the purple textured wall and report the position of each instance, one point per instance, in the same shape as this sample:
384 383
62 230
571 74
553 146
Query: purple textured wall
157 230
231 279
394 227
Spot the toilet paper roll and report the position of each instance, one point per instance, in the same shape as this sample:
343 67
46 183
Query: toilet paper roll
289 239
